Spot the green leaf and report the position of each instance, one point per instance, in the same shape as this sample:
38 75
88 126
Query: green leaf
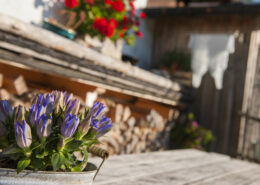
57 160
76 169
90 142
22 164
40 156
37 164
90 134
11 150
73 145
63 167
85 154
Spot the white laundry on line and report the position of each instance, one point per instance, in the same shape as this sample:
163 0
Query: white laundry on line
210 52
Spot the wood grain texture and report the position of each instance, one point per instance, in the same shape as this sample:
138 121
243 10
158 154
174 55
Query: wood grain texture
179 167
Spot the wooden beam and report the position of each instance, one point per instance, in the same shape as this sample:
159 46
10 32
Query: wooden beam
49 81
60 44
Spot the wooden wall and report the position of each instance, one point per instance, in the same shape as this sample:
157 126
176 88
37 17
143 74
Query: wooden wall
174 32
218 110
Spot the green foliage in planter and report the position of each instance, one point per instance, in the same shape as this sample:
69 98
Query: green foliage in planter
187 133
181 59
49 134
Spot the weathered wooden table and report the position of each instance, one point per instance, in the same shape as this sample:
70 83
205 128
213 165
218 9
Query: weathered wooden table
176 168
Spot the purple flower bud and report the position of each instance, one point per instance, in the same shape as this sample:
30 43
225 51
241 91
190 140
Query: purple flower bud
5 110
36 111
73 107
38 99
67 97
32 115
84 125
3 130
102 126
58 101
69 125
97 110
19 114
48 104
23 134
43 128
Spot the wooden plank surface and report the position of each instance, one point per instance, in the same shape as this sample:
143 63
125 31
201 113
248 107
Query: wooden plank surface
176 167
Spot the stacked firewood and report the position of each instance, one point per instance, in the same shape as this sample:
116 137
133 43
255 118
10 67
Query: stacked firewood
16 91
131 135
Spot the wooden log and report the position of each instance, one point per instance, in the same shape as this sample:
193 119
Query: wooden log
126 114
4 94
20 85
123 126
1 80
131 146
119 113
137 132
151 136
128 135
131 122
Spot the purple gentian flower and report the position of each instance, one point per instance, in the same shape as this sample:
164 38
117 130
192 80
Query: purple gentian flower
97 110
43 128
5 110
73 107
43 105
35 114
23 134
58 101
69 125
19 114
84 125
102 126
3 130
67 97
48 104
38 99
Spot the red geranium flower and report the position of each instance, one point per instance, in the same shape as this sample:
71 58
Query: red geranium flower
91 2
121 34
142 15
104 27
113 22
139 34
124 28
109 30
71 3
108 2
118 5
124 20
100 24
132 8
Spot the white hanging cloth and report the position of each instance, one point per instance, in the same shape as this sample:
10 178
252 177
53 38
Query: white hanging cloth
210 52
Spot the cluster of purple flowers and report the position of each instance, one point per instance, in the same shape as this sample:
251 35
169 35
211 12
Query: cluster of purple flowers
40 117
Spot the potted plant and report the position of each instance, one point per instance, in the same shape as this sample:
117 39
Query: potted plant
187 133
49 143
100 24
175 60
113 19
